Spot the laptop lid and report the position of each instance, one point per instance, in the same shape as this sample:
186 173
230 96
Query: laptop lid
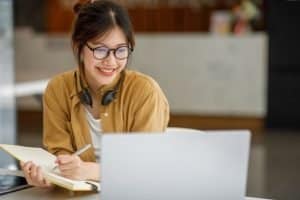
175 166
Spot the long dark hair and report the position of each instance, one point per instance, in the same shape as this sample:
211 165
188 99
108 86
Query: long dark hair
94 19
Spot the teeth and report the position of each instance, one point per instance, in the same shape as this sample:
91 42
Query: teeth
107 70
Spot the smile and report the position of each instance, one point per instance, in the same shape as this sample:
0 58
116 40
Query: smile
107 71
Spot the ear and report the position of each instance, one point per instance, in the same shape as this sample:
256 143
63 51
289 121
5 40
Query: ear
81 56
128 62
81 60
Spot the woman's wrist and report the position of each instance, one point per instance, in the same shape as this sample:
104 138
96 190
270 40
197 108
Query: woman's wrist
93 171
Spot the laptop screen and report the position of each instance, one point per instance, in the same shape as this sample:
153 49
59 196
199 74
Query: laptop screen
179 165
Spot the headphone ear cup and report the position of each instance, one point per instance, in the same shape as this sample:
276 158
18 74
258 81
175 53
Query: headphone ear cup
108 97
86 98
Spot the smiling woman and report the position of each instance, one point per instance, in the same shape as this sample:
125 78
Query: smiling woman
100 96
101 67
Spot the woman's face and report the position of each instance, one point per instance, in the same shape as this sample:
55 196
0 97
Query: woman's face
100 72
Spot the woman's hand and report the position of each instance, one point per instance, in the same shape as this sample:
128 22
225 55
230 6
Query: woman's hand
71 166
33 175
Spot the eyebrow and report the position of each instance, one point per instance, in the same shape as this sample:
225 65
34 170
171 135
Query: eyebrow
98 44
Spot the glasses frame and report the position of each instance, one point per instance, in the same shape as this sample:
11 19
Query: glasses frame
130 50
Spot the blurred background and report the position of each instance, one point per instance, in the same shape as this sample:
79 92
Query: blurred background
223 64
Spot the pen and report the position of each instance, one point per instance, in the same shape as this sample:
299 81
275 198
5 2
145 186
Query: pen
77 153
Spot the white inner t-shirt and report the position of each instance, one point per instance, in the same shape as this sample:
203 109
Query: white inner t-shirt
96 133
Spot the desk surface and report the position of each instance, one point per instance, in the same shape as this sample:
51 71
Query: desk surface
58 193
36 193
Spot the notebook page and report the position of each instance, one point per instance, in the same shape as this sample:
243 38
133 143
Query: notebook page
37 155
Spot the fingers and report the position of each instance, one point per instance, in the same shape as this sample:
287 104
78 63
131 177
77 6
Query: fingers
41 180
33 175
38 176
71 166
68 162
64 159
26 168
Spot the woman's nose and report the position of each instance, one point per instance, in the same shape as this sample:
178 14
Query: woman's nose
110 58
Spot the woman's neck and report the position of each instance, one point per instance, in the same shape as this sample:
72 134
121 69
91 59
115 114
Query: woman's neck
93 87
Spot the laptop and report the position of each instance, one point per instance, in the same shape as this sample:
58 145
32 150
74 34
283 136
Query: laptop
175 165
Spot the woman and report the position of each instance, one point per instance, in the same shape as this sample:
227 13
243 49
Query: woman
100 96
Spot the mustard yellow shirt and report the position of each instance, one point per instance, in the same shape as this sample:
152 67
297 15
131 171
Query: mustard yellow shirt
140 105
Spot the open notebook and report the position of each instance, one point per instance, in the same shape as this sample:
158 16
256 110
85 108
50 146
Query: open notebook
46 160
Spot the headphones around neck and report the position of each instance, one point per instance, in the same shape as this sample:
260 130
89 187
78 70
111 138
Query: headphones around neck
86 98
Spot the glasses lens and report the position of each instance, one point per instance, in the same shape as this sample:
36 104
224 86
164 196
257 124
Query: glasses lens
101 52
122 52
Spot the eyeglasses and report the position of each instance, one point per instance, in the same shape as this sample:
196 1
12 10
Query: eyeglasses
102 52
